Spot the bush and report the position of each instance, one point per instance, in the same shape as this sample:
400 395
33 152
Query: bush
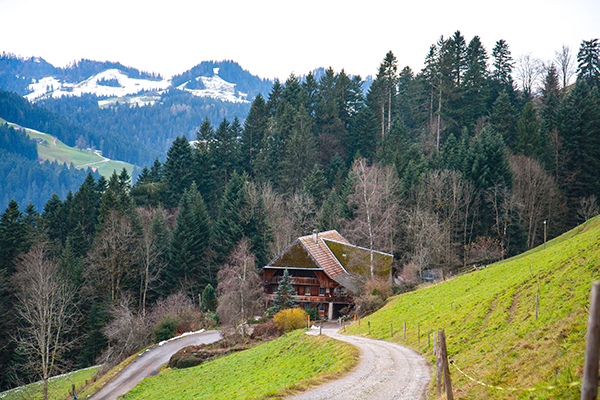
313 313
266 329
368 303
290 319
166 328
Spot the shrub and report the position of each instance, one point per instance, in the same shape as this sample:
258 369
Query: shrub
313 313
166 328
368 303
265 329
290 319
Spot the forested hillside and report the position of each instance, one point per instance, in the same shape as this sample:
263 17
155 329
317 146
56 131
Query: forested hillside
464 162
24 178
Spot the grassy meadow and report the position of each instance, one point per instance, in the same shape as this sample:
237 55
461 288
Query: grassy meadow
58 387
273 369
54 150
489 317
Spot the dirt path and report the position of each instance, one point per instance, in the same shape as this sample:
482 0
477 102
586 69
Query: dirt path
385 371
149 363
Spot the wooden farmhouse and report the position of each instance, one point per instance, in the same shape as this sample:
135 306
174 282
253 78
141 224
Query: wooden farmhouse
324 268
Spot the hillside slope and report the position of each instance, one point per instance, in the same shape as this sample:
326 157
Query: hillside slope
490 320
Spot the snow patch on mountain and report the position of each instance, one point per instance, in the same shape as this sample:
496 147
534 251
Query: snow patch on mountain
52 87
216 88
120 88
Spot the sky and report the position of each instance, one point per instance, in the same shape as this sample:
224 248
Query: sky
273 39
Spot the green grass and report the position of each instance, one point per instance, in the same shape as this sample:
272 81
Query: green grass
271 370
490 324
55 150
58 388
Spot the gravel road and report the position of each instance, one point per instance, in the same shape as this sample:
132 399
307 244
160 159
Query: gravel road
385 371
149 363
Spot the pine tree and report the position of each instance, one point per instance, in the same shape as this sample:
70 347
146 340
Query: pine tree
503 119
255 127
315 184
284 298
189 264
529 138
588 61
209 299
178 170
229 225
14 240
503 65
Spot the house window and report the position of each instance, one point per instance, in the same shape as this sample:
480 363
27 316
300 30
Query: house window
308 290
321 291
322 307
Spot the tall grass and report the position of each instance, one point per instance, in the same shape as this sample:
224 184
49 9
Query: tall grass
273 369
489 317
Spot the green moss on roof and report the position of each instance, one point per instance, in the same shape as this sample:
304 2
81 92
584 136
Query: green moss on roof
295 256
357 260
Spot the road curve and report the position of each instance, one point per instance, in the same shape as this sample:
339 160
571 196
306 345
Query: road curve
148 364
385 371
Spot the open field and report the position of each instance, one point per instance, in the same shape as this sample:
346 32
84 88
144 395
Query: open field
282 366
52 149
58 388
489 317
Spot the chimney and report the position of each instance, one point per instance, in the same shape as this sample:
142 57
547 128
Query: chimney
315 236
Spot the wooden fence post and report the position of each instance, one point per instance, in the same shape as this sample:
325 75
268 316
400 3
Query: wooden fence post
391 329
537 303
419 332
446 367
369 323
438 367
589 386
405 331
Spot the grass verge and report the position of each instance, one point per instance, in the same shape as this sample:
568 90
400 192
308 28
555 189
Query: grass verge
58 388
489 317
274 369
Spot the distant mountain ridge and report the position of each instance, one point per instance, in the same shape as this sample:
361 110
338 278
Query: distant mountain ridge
36 79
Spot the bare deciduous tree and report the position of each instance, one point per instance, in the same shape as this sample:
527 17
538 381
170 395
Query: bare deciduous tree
566 66
588 207
375 208
425 239
112 256
506 207
240 290
151 249
450 196
127 333
529 70
537 191
45 305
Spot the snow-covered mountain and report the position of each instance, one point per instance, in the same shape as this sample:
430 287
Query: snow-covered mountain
115 85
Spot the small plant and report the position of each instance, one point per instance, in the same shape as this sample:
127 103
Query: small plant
290 319
166 328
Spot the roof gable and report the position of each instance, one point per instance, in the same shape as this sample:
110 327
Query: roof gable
295 256
357 260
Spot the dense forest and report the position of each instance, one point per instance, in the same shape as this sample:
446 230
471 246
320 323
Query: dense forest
465 162
25 179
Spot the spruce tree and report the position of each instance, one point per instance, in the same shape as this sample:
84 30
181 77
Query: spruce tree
209 299
178 170
503 119
189 264
588 61
529 138
284 298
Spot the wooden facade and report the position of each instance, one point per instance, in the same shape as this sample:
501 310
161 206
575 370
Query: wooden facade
321 268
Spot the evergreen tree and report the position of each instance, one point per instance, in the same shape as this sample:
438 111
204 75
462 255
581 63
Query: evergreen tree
300 153
178 170
209 299
189 265
578 123
588 61
229 225
284 298
255 127
487 162
14 239
529 139
315 184
475 83
503 119
502 66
